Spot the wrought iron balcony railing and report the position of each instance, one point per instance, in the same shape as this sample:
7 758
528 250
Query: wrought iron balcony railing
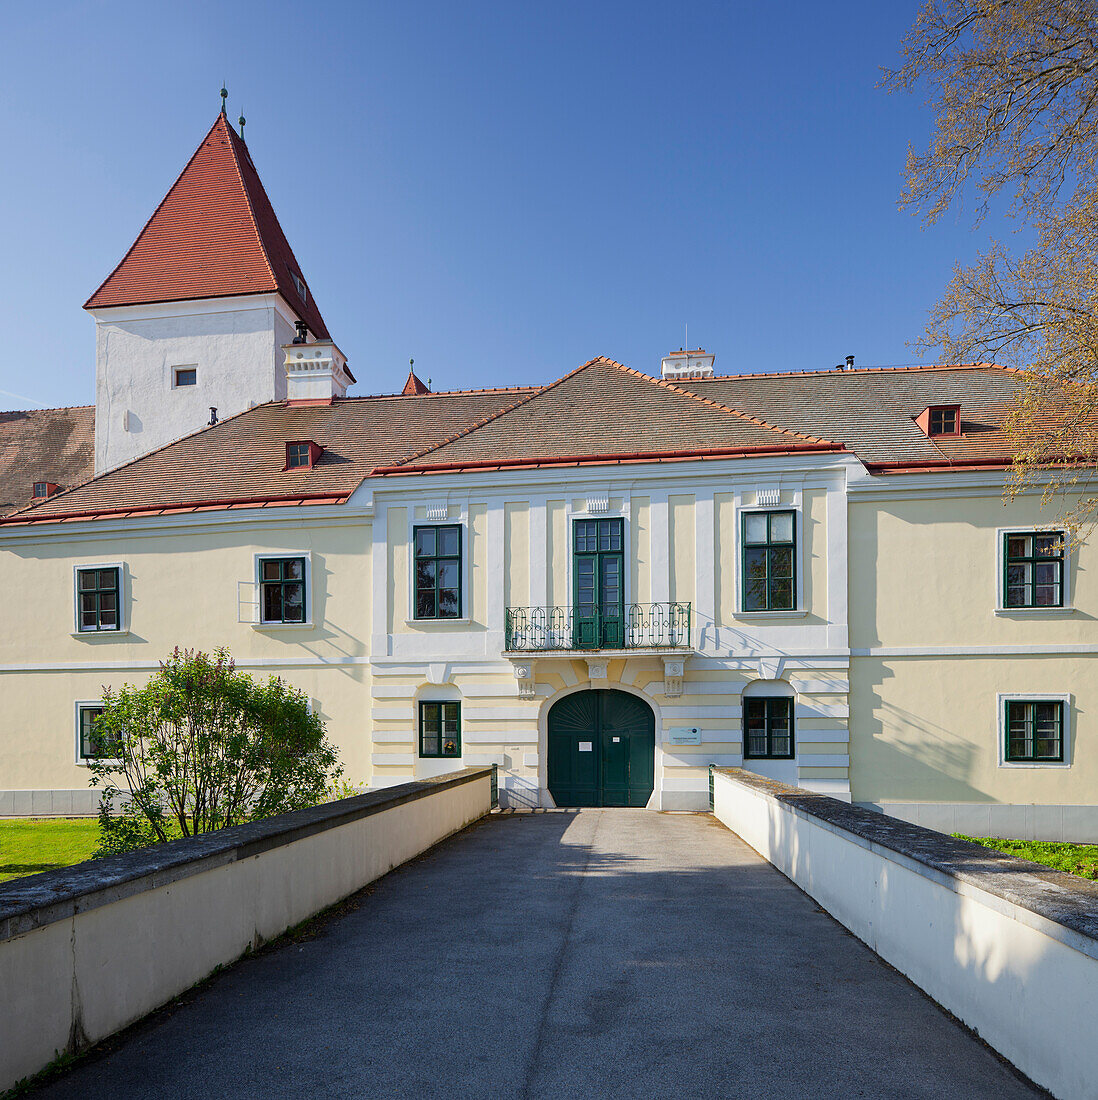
624 626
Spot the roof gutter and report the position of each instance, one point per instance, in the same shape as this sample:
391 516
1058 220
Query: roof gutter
26 518
604 459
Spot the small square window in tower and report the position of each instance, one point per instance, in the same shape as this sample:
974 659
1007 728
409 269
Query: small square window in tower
184 376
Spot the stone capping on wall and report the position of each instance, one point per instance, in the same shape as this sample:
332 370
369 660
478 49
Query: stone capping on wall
1068 902
38 900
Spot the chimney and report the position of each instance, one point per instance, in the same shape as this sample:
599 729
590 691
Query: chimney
850 362
213 415
315 373
686 363
302 336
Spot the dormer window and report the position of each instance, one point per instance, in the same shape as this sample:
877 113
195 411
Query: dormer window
940 420
300 287
43 489
302 454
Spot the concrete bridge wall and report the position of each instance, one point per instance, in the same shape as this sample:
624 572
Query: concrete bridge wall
1007 946
86 951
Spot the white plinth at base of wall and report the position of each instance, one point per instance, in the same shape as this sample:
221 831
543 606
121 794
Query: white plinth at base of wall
1070 824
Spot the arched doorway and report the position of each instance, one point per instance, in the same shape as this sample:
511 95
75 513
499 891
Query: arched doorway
601 750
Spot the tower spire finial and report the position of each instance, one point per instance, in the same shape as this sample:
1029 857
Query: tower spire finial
242 120
224 96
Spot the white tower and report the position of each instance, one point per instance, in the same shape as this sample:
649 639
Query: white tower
196 315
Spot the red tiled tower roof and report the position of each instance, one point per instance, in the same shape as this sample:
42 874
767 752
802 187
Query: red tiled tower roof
214 235
414 386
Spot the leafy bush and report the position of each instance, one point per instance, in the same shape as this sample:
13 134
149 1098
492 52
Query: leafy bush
201 747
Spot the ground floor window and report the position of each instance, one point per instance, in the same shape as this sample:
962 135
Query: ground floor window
767 728
93 743
1034 731
439 729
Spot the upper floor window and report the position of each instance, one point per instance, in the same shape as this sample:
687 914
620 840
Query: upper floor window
769 579
282 590
1033 569
438 571
1034 731
184 376
92 742
439 729
98 598
767 728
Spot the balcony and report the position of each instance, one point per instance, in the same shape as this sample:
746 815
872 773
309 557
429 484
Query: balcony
652 626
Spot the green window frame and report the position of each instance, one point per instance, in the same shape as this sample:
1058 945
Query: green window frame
93 746
769 553
437 571
768 727
282 595
1033 569
98 599
439 729
1034 731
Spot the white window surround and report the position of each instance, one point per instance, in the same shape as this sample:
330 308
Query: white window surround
434 519
1001 701
269 555
78 706
176 368
123 601
796 507
1000 568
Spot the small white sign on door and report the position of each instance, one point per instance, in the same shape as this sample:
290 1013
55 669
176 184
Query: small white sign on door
684 735
586 746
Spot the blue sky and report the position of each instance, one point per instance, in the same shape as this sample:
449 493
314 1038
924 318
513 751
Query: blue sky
499 190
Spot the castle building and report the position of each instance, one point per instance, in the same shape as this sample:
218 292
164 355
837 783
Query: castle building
602 584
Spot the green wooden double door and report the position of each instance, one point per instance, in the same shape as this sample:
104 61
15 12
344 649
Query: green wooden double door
601 750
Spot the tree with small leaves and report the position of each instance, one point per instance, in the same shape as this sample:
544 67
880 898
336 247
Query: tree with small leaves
1013 86
203 746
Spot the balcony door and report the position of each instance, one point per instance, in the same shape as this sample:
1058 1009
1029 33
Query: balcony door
598 584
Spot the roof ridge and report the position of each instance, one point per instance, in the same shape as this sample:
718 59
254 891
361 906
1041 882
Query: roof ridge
248 195
856 370
47 409
140 458
468 429
439 393
725 408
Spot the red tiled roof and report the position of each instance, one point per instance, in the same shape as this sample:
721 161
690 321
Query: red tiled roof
606 412
214 235
55 445
241 461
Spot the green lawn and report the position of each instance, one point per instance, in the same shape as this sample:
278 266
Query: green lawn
30 845
1076 859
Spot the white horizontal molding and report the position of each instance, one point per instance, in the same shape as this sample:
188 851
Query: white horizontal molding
822 710
721 759
482 759
404 759
499 737
394 737
823 760
820 687
1059 649
528 713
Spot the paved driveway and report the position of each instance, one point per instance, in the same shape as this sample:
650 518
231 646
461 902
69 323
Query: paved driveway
593 953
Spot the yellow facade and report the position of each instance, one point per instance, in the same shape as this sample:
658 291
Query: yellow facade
896 655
